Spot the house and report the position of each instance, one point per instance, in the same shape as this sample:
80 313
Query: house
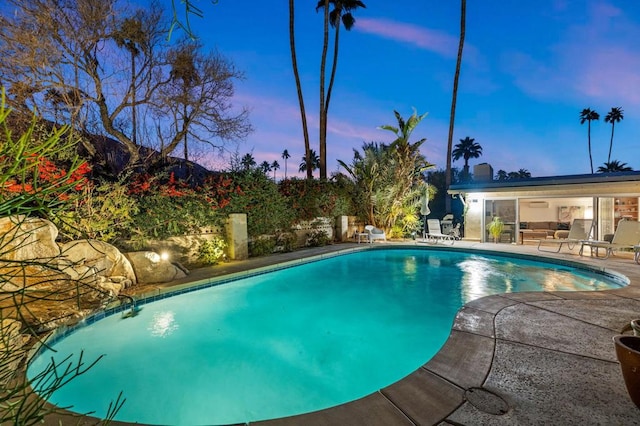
549 203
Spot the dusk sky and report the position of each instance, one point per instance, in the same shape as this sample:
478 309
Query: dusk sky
528 70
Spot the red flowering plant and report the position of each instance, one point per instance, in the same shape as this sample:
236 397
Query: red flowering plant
170 207
30 182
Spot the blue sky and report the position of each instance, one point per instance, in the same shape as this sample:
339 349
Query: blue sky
528 70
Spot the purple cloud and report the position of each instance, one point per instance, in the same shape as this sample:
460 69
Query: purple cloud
423 38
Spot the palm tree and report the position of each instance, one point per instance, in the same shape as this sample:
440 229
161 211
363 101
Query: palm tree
265 167
275 166
132 37
341 12
502 175
467 148
285 157
614 116
303 114
524 174
409 162
587 115
248 162
366 172
614 166
452 116
313 159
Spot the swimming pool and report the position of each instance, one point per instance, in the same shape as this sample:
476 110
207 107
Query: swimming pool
292 341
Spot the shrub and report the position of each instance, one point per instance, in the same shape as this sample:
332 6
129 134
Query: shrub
267 210
312 198
261 246
170 208
285 242
318 238
104 211
212 251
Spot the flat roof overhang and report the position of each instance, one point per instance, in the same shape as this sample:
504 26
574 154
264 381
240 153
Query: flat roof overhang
600 185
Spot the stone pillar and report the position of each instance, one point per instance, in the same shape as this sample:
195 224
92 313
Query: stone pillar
237 237
342 228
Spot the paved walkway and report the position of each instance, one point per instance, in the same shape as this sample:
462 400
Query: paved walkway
513 359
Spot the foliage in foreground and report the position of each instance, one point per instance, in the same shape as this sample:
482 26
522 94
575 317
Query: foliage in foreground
32 185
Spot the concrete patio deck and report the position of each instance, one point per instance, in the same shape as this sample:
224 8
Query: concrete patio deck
511 359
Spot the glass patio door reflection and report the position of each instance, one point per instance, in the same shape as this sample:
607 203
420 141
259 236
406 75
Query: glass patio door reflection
506 211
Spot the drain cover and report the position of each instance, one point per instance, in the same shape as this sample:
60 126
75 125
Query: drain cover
486 401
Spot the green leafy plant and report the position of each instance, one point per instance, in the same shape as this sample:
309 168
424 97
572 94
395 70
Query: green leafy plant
267 210
168 207
104 211
212 251
262 246
312 198
318 238
495 228
285 242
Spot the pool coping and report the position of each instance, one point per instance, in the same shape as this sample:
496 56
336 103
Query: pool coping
443 389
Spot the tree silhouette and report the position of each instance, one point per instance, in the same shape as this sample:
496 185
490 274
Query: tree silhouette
614 166
285 157
467 148
520 174
452 116
614 116
303 114
314 160
275 166
341 12
265 167
588 115
248 162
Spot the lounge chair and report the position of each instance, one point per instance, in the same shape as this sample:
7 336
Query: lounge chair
580 231
434 232
627 236
375 233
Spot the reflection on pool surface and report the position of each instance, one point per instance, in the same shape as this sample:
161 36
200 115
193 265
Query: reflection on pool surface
292 341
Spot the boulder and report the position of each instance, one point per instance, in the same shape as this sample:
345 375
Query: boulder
149 267
33 277
28 238
107 260
44 297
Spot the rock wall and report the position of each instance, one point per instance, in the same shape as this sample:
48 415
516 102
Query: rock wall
43 284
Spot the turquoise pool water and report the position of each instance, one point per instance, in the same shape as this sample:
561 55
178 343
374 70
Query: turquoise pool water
291 341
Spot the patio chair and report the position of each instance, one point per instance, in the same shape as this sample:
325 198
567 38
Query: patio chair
434 232
580 231
375 233
627 236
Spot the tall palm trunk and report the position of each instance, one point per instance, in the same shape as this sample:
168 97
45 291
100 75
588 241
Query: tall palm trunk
323 112
613 125
303 114
589 142
452 117
323 144
334 66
